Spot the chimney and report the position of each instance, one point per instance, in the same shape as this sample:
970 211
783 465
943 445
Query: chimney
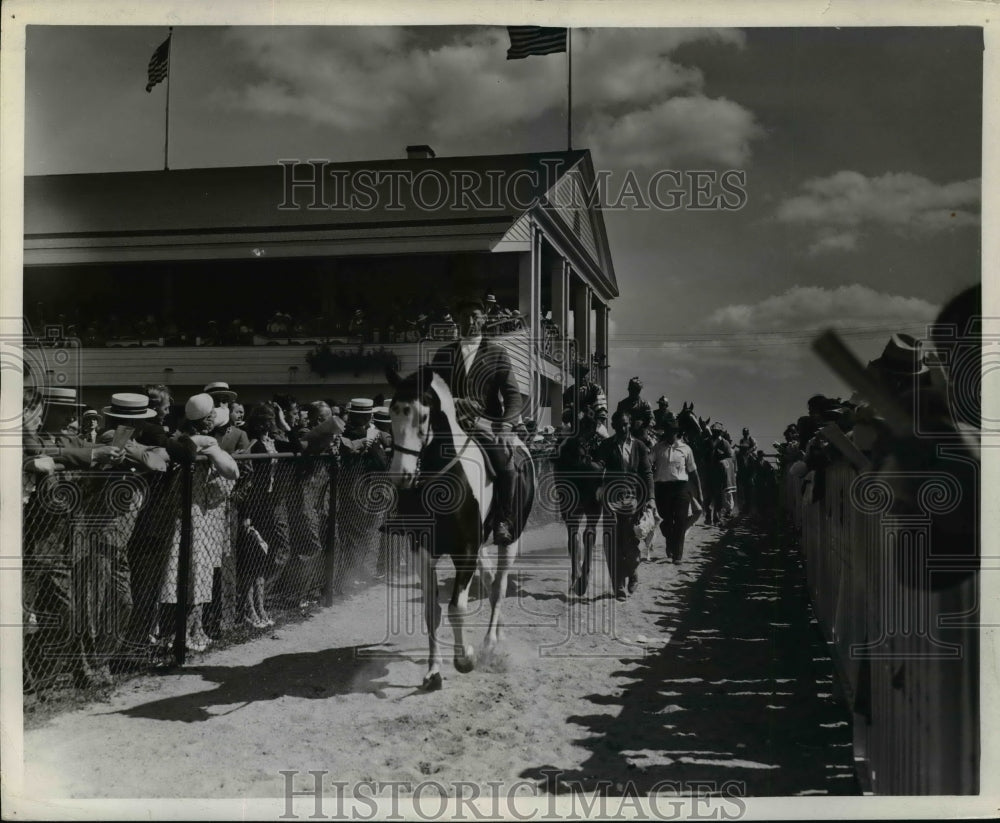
419 153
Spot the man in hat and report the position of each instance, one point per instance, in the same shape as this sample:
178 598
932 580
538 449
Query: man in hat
722 477
360 432
661 411
232 439
585 394
639 410
675 485
361 454
627 466
45 435
90 424
488 402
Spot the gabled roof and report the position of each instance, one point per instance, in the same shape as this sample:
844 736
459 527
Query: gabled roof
298 209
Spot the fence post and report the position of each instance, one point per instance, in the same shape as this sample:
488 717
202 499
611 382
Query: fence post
184 565
330 553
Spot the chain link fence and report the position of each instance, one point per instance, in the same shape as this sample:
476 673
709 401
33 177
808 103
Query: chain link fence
127 571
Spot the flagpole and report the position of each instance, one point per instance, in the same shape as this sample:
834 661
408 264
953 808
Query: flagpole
166 129
569 89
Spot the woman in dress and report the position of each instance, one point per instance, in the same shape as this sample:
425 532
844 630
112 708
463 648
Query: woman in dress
212 484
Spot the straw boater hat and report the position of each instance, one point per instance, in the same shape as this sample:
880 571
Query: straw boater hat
199 407
128 406
490 298
381 418
54 396
361 405
220 391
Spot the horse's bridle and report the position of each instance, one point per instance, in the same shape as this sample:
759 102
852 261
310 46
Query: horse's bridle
418 453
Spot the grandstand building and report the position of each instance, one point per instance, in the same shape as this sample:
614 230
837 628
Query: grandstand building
308 277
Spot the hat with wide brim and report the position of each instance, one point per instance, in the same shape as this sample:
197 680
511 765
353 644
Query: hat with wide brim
361 405
220 391
57 396
381 415
901 356
128 406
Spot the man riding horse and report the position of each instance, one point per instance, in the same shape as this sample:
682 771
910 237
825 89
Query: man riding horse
488 402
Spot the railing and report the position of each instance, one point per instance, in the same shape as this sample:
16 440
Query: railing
126 571
907 655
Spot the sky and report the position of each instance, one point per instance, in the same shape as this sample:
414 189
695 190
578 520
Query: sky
861 150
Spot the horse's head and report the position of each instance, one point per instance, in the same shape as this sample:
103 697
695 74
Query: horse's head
416 414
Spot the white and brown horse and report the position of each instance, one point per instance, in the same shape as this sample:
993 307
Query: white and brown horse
445 499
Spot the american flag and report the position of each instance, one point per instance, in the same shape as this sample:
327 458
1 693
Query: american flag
158 65
527 40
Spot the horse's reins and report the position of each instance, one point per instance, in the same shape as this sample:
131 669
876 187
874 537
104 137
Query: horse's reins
418 453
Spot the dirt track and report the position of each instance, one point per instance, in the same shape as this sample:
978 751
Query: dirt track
710 671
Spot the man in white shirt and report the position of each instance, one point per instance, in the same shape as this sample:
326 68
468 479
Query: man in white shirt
675 483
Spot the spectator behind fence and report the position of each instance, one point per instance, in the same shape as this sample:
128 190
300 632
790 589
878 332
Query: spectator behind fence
953 449
361 454
211 487
108 578
313 476
160 401
90 426
264 544
232 439
48 542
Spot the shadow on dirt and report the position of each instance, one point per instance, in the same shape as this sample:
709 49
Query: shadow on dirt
310 675
742 698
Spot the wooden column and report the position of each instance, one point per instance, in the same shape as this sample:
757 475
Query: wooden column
581 319
602 344
560 316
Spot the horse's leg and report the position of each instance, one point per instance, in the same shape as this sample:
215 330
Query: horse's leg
505 562
573 538
432 617
458 608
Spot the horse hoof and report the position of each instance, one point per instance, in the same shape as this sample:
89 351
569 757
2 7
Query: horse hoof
467 661
432 683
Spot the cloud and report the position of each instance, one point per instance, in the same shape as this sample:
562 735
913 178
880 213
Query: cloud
770 339
675 132
805 308
842 205
632 102
633 66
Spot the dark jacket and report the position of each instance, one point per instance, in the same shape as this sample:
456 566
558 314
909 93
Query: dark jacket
639 470
68 449
490 385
